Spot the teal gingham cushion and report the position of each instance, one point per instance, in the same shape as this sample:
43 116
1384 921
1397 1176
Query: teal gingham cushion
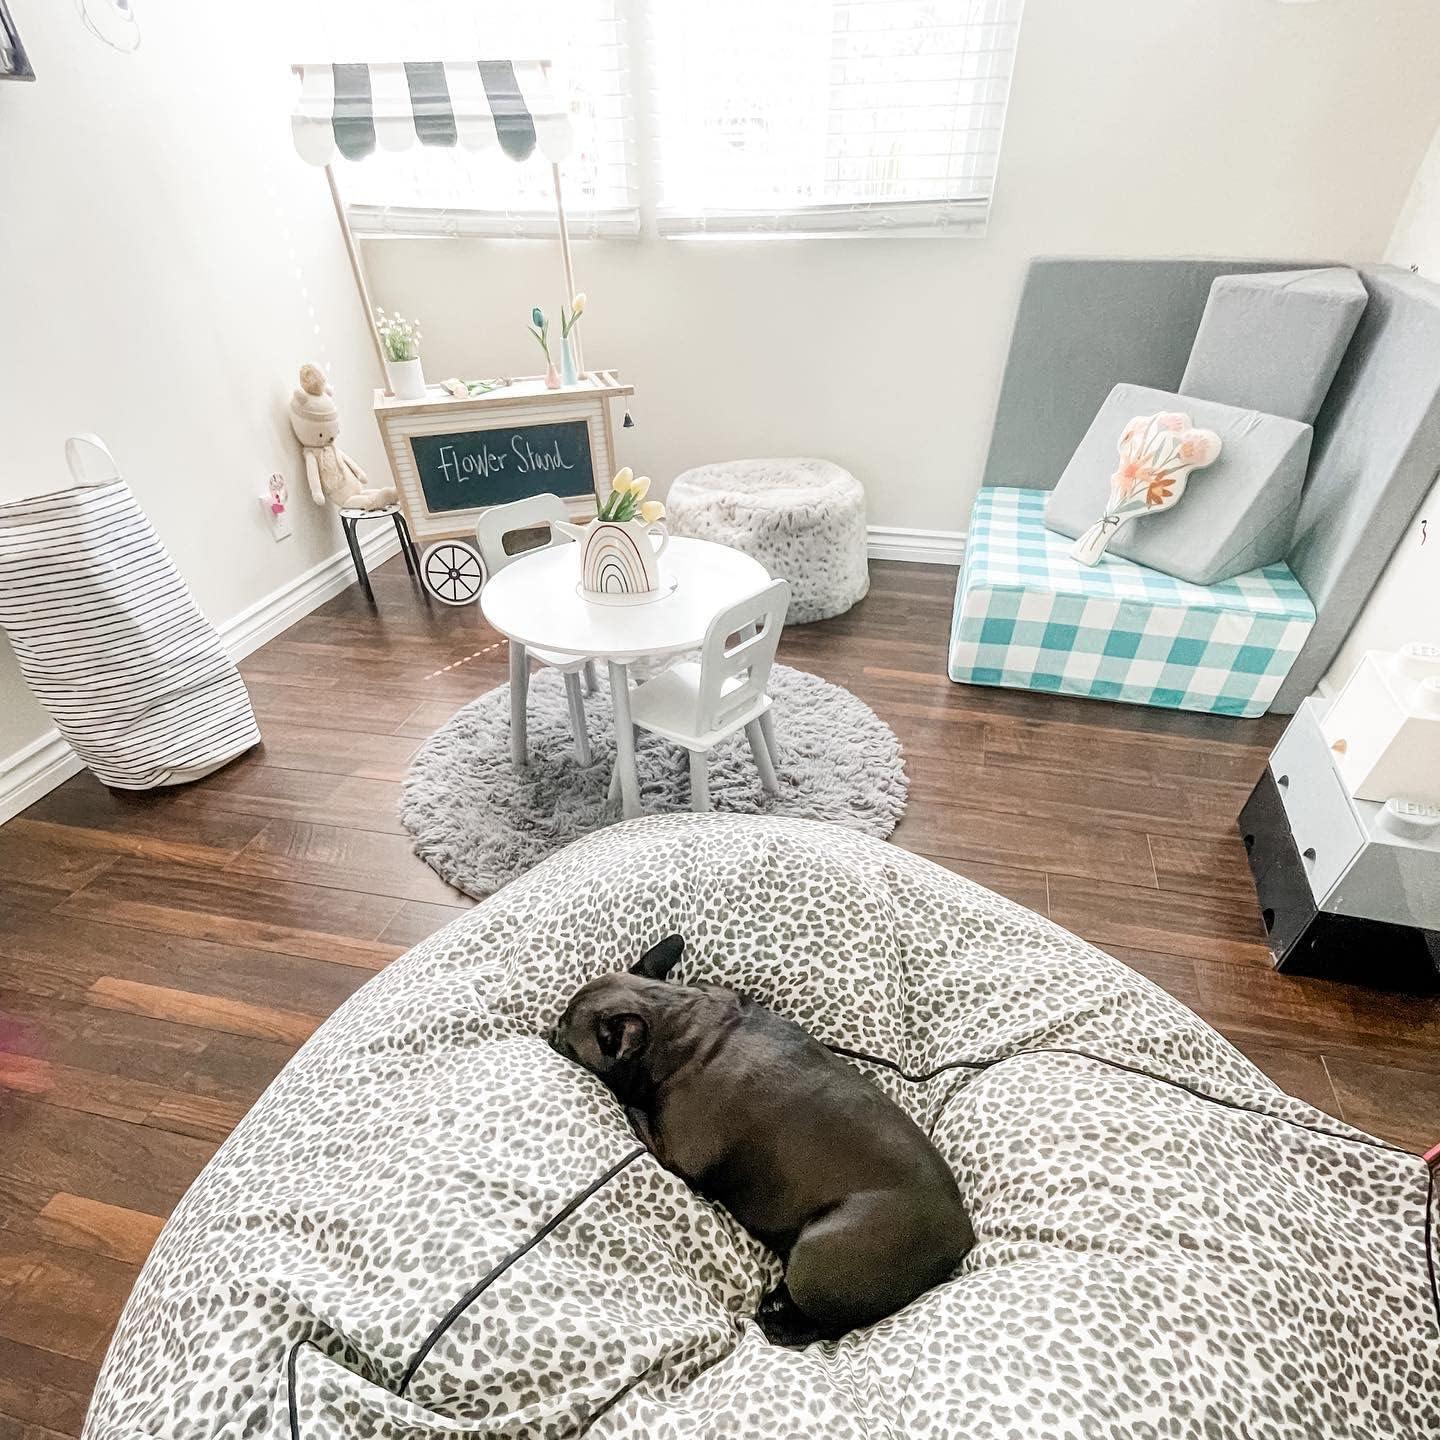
1027 615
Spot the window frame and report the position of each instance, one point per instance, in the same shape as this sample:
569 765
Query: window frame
966 216
420 222
953 216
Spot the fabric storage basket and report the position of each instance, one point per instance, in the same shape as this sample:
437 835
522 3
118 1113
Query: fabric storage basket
108 637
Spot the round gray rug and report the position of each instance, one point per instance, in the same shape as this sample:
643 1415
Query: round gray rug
479 822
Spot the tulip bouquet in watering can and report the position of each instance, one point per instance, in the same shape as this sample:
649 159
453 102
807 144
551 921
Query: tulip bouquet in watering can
620 549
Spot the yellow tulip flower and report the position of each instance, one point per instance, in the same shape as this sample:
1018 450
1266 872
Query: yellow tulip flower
623 481
577 305
640 487
651 511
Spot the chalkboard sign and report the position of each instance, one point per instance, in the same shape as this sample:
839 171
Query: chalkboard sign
476 468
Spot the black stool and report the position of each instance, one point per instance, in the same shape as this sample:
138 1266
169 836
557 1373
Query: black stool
351 518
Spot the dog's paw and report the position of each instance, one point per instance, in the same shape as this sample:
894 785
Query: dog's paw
782 1321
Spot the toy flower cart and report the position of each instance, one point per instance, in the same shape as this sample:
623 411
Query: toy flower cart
456 454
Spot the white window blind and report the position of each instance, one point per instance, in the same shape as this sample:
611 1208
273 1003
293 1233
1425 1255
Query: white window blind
758 116
459 192
814 116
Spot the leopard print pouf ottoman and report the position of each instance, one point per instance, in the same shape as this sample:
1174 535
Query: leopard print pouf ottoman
433 1226
803 520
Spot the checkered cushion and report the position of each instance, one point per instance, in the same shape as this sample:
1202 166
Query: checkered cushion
1029 616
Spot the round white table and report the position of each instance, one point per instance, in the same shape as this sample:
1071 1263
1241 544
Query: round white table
535 602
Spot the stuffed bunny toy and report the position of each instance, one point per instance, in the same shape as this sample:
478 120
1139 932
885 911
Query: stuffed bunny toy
332 474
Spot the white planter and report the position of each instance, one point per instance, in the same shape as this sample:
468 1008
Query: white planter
407 379
618 558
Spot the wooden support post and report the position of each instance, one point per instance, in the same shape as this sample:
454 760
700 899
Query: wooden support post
357 269
570 290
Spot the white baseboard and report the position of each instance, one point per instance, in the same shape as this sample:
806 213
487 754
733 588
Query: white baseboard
928 547
37 768
279 610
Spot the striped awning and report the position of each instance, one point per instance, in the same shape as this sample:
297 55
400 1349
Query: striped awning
351 109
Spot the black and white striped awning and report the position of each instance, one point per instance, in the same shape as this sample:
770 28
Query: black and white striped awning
354 108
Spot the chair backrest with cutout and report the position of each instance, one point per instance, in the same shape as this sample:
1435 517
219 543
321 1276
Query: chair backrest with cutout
758 621
500 521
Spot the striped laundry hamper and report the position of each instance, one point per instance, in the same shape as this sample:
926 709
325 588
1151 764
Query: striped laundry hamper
108 636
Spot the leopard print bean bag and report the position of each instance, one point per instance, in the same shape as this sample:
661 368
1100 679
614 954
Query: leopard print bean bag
433 1226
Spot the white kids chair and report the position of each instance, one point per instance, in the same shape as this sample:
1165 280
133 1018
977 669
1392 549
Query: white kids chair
698 706
491 531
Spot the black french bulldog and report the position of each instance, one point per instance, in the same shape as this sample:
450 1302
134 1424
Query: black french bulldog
808 1155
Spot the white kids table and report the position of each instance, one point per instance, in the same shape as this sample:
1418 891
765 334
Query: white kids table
535 602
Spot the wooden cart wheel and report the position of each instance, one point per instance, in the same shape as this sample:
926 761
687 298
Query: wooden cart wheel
453 572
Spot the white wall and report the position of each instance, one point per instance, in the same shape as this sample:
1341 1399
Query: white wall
166 264
1405 605
1176 127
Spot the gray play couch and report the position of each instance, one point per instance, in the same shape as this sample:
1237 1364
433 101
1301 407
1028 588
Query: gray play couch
1085 325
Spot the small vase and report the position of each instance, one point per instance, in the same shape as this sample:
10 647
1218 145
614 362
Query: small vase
620 558
568 373
407 379
552 377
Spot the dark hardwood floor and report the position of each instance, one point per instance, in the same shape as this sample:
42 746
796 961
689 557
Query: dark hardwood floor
162 956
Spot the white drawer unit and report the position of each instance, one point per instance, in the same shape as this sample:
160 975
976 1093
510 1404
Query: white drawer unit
1347 887
1327 832
1384 729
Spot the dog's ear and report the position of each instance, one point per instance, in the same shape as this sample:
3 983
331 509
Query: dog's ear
620 1037
658 961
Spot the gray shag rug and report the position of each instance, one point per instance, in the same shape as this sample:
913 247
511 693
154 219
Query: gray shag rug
478 822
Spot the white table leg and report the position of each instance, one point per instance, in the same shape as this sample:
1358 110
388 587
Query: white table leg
519 688
699 781
576 702
767 729
761 751
624 738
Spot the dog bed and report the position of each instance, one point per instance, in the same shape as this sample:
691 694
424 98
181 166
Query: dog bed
432 1225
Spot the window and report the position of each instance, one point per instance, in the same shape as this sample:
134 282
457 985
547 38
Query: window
436 191
752 116
824 115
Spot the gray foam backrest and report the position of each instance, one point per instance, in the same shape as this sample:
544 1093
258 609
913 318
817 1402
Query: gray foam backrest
1084 326
1376 454
1273 341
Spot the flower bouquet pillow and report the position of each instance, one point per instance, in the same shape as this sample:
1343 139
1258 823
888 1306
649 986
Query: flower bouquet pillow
1157 454
1240 473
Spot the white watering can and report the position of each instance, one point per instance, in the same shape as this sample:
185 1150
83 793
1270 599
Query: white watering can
618 557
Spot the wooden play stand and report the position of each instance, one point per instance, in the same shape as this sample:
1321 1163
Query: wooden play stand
444 449
453 457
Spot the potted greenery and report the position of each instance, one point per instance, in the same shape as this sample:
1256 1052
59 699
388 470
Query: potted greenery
400 341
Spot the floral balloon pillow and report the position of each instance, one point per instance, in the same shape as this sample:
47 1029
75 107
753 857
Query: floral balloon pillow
1157 454
1239 514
